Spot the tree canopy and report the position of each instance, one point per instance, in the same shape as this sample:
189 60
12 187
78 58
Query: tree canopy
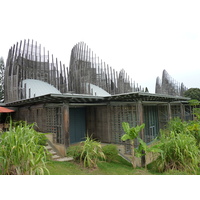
193 93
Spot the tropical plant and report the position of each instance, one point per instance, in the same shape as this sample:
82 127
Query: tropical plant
91 152
131 133
176 125
75 152
179 152
143 148
21 153
110 151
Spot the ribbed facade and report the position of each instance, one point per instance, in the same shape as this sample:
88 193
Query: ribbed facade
28 60
169 86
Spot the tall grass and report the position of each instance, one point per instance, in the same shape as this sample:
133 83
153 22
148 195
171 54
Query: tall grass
179 148
88 152
91 152
21 153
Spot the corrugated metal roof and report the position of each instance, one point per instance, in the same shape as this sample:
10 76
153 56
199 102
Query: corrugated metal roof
38 88
84 99
97 91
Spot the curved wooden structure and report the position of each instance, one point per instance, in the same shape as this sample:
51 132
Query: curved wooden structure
28 60
86 68
169 86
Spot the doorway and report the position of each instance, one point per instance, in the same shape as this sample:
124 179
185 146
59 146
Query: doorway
77 125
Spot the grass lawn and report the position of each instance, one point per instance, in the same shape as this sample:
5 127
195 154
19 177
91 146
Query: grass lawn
119 167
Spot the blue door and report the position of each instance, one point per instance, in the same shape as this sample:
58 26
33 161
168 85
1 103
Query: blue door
77 127
151 123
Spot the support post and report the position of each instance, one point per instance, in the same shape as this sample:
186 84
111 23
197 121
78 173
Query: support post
182 111
140 117
169 111
66 124
141 121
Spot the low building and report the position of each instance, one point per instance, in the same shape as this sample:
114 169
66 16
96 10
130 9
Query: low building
88 98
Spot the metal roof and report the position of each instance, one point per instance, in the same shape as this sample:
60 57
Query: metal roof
38 88
144 96
82 99
57 98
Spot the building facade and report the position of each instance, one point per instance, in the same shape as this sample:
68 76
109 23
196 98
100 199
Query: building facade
86 98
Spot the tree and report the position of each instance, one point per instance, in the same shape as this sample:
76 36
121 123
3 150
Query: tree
2 68
193 93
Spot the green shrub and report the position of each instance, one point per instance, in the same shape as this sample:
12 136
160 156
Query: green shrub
110 151
75 152
88 152
176 125
179 152
193 128
91 152
21 153
42 139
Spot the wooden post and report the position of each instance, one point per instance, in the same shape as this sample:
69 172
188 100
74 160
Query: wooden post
140 121
66 124
169 111
182 107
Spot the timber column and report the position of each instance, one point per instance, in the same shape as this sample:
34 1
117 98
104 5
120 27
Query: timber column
65 126
169 111
141 121
182 107
140 117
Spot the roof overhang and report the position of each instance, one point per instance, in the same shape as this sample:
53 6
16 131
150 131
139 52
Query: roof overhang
88 99
57 98
145 97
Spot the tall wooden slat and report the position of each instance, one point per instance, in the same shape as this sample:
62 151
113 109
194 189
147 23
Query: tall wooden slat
57 76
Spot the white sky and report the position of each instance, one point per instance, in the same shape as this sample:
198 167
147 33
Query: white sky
143 37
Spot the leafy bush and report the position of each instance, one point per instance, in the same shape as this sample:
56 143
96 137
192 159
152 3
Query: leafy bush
75 152
91 152
179 152
176 125
88 152
21 153
110 151
131 133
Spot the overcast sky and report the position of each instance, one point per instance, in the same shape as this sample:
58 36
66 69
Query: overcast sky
142 37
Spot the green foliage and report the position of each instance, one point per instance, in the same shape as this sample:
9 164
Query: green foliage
131 133
143 148
193 93
88 152
176 125
91 152
75 152
193 128
110 151
21 152
179 152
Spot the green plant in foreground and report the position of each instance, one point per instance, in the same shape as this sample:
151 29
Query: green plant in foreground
75 152
143 148
110 151
179 152
91 152
21 153
131 134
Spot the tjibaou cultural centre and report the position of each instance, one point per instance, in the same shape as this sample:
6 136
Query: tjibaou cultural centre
87 97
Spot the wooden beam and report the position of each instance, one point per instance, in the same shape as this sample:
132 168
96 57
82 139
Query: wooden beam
66 135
